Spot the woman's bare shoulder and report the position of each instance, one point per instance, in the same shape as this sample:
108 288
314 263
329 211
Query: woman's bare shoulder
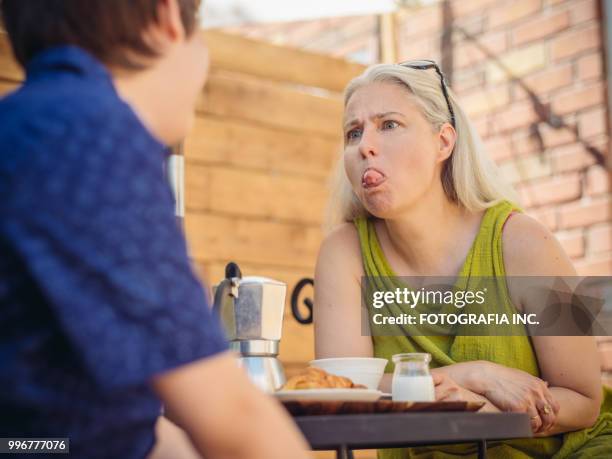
344 235
531 249
341 248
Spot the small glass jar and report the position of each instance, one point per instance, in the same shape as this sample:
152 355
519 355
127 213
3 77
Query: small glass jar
412 381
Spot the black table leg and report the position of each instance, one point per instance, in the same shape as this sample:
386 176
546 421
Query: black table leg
343 452
482 449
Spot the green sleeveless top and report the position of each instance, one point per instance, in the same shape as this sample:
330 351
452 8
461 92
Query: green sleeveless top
485 258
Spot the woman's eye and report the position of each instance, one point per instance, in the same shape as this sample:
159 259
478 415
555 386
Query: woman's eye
353 134
390 124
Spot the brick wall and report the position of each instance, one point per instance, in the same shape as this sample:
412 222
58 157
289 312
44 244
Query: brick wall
530 74
352 38
500 53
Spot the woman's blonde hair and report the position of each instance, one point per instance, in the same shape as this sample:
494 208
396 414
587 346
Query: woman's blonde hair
469 177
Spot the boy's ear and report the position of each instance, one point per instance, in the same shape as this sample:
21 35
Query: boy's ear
169 23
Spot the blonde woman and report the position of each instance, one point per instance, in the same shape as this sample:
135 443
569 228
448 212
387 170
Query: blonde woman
417 196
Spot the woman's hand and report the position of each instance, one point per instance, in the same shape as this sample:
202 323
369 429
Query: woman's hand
447 389
517 391
508 389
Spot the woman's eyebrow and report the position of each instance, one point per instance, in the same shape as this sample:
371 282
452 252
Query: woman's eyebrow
382 115
375 116
351 123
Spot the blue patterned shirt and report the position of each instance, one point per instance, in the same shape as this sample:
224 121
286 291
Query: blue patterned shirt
96 291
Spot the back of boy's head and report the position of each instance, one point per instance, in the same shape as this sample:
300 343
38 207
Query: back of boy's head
111 30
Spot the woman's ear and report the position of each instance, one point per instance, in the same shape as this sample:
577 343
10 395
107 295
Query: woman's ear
447 138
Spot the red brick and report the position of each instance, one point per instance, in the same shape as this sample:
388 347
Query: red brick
518 115
572 242
540 27
590 67
547 80
465 80
481 124
524 143
423 21
499 148
578 99
599 238
467 7
575 41
598 181
485 101
517 63
545 215
593 123
415 49
601 143
468 53
585 10
554 137
473 25
525 168
510 12
551 190
585 213
525 199
573 157
494 42
600 265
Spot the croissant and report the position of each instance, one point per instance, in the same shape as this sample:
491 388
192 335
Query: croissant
315 378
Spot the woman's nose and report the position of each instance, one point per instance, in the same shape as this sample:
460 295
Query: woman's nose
367 145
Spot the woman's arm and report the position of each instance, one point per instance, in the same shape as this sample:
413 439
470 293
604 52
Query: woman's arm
570 364
337 306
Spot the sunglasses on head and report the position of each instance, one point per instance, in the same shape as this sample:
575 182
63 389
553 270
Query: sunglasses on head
426 64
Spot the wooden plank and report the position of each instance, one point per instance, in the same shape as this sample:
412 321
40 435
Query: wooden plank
280 63
9 69
272 104
388 37
297 345
244 55
256 100
213 271
223 238
243 192
228 141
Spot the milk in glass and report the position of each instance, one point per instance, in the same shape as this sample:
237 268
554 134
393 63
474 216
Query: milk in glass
411 378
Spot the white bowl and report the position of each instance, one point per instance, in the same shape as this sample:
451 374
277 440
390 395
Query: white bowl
361 370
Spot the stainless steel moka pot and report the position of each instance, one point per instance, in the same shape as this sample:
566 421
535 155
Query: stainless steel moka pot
251 311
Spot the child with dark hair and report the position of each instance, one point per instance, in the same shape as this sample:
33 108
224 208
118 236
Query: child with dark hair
101 315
